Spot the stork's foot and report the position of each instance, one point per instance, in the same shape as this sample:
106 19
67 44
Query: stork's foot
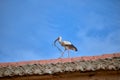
59 58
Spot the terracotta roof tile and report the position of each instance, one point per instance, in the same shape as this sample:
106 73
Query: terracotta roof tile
90 63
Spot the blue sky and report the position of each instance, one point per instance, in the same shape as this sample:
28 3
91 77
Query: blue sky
28 28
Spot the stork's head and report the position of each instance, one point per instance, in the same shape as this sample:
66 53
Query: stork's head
59 39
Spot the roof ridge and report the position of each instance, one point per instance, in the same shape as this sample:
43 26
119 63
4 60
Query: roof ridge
60 60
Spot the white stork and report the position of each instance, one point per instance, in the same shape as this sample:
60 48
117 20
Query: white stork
66 44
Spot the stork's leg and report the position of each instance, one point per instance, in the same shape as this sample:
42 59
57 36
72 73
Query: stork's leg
62 53
68 54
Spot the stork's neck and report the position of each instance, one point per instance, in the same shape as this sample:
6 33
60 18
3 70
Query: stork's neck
60 40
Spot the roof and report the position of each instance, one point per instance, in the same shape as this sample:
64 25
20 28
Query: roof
41 67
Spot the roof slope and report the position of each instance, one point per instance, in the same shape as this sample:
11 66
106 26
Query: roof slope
91 63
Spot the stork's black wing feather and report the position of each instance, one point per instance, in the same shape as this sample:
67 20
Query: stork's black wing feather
74 47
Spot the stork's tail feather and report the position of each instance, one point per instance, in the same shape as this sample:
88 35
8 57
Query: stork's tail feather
74 48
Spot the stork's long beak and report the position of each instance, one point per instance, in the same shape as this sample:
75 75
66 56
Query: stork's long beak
55 41
56 45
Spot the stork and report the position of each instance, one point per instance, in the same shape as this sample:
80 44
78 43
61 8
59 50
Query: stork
66 44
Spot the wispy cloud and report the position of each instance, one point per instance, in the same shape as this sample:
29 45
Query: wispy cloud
99 36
